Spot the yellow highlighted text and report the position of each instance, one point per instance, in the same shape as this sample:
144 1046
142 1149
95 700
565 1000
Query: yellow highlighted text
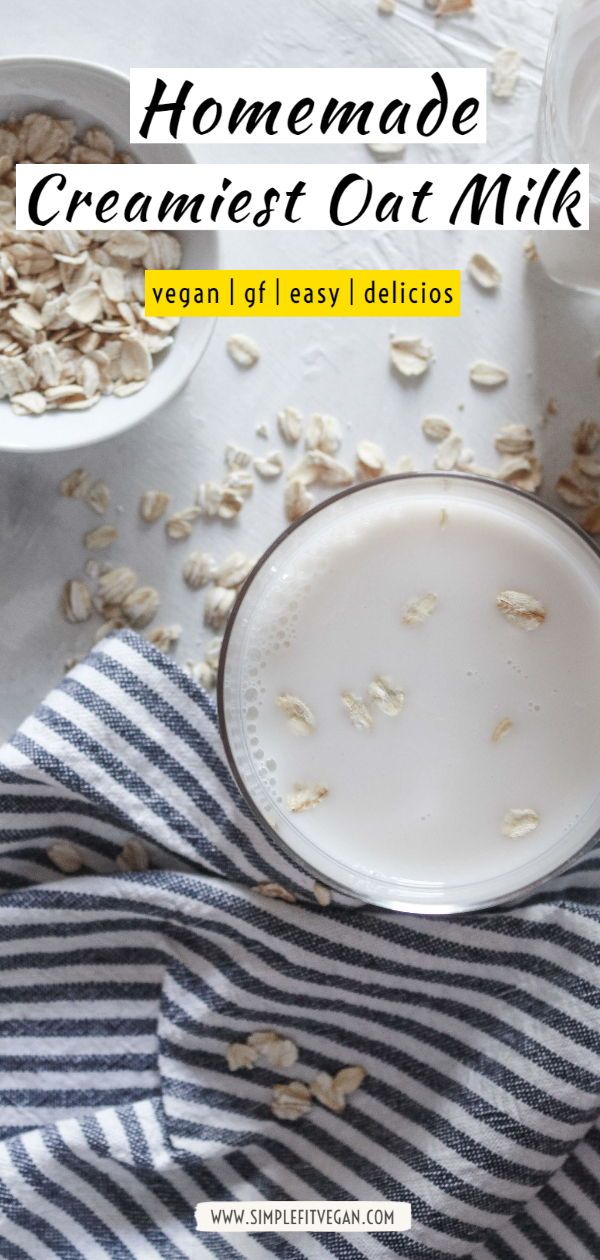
292 293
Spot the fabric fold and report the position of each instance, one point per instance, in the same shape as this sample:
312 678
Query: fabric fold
121 994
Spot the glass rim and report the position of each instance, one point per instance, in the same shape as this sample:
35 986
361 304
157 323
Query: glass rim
551 88
514 897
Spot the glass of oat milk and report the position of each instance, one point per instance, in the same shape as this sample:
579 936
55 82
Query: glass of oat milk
409 692
569 131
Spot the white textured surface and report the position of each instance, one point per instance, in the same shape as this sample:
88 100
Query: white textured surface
545 336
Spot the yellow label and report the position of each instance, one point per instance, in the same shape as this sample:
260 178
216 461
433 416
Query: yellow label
290 293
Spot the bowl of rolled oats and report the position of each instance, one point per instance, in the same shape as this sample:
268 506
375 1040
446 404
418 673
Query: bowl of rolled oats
79 361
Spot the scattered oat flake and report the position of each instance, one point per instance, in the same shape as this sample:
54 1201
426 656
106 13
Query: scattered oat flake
404 464
243 350
387 697
240 1056
300 717
529 479
233 570
141 606
505 72
179 526
305 797
98 497
91 567
521 610
289 423
115 584
165 637
240 481
530 250
370 460
153 504
411 356
237 456
202 673
325 1090
386 151
280 1052
443 518
134 856
513 466
589 465
297 499
269 466
418 610
501 729
66 857
514 439
448 453
349 1079
357 711
76 484
591 520
586 437
330 471
76 601
466 460
519 822
448 8
386 7
317 466
484 272
487 375
270 889
231 502
262 1037
436 428
109 627
322 895
573 488
99 538
291 1100
199 569
323 433
217 606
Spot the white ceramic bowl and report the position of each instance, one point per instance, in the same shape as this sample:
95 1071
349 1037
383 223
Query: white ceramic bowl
90 94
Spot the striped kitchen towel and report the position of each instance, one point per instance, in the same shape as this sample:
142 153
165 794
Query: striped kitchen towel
121 994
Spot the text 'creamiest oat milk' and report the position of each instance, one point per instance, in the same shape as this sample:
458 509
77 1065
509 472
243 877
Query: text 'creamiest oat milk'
412 692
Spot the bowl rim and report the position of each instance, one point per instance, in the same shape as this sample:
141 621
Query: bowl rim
81 62
184 155
514 898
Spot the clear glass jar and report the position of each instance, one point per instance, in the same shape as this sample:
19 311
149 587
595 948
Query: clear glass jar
569 131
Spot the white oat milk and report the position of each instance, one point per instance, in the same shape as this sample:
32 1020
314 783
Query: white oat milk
412 692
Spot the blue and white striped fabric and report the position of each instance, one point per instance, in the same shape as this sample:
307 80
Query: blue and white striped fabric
120 994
